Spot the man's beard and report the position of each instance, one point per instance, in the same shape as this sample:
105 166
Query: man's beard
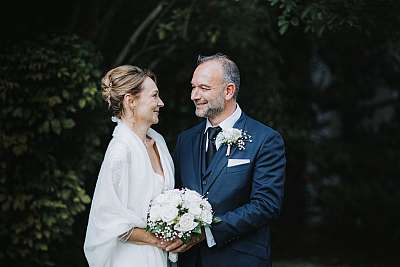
213 110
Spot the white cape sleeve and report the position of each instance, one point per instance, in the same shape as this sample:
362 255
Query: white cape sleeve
109 216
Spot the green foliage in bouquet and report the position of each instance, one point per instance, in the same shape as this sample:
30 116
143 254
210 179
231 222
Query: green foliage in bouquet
49 142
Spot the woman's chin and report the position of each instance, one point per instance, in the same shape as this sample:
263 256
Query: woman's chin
155 120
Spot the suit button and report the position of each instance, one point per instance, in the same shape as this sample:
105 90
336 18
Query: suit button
204 182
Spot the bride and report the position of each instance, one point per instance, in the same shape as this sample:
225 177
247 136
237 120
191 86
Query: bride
137 167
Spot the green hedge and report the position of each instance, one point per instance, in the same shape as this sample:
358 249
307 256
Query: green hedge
49 142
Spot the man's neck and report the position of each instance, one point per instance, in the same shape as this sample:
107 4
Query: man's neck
228 111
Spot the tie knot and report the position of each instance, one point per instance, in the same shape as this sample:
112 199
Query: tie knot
213 132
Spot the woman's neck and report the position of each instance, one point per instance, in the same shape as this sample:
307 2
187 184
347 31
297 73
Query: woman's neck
140 129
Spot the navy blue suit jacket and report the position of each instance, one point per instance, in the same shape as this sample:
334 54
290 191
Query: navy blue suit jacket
245 197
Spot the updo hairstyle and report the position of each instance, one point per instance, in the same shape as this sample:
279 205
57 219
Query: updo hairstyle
120 81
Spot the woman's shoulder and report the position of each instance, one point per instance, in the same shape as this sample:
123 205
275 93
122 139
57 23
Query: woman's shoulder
118 150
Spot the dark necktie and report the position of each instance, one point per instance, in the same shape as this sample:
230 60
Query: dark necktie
212 134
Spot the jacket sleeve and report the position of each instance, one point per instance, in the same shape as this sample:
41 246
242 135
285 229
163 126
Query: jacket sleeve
265 197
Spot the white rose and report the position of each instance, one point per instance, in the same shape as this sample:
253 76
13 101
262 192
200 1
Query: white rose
172 197
155 212
168 213
191 196
159 199
194 209
169 198
192 201
206 205
233 133
206 216
186 223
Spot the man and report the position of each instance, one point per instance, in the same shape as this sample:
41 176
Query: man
243 182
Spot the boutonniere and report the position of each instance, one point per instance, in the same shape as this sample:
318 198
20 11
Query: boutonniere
232 136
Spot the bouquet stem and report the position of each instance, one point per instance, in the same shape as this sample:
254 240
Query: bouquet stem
172 256
228 151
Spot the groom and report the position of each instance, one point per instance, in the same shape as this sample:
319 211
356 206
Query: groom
244 186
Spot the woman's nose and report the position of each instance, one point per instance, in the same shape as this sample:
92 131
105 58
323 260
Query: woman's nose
160 103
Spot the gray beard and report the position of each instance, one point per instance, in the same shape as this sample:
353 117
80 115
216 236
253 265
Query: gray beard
211 112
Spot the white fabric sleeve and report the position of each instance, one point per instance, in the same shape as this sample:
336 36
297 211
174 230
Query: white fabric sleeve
110 218
125 236
209 237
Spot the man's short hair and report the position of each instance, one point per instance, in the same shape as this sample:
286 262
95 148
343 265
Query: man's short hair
230 69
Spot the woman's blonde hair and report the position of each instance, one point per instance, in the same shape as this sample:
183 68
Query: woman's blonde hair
120 81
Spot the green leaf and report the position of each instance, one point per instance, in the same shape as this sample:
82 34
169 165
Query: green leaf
55 126
197 230
282 21
82 103
216 219
162 34
68 123
65 94
17 113
85 199
45 127
273 2
54 100
283 29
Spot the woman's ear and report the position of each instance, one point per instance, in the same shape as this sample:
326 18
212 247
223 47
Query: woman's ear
129 102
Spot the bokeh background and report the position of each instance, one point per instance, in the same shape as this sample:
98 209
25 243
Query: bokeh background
326 74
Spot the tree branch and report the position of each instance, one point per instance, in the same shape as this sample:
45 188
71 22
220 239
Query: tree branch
145 50
132 40
150 32
104 26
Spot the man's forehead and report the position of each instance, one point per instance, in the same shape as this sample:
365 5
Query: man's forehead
208 71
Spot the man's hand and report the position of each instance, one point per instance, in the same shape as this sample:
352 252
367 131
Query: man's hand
178 245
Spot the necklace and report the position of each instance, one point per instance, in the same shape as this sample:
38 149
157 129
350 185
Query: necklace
148 142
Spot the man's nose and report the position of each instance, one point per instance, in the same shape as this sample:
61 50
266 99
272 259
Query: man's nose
195 94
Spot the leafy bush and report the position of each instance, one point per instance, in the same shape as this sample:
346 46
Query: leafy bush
49 142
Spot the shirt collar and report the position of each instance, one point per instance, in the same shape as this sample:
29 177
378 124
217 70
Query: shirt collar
228 122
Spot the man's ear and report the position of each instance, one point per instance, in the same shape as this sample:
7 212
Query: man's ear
230 90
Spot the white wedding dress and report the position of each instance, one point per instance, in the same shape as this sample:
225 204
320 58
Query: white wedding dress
125 186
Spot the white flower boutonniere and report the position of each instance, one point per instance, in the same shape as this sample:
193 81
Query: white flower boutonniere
232 136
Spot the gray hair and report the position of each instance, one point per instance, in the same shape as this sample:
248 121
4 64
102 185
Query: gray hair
230 69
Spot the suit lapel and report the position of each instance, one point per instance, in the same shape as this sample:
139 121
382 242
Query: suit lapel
220 159
197 142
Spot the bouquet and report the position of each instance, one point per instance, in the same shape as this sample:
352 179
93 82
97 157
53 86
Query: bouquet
178 213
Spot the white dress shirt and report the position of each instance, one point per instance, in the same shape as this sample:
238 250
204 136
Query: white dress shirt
225 124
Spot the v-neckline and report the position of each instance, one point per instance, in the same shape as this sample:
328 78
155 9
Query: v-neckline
159 156
145 149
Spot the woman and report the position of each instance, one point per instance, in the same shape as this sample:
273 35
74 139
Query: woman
137 167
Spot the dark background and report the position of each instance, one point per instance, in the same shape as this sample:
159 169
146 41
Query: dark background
323 73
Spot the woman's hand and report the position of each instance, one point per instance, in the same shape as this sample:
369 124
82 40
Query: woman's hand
142 237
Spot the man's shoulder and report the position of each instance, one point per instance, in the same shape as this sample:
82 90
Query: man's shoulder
255 126
188 133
